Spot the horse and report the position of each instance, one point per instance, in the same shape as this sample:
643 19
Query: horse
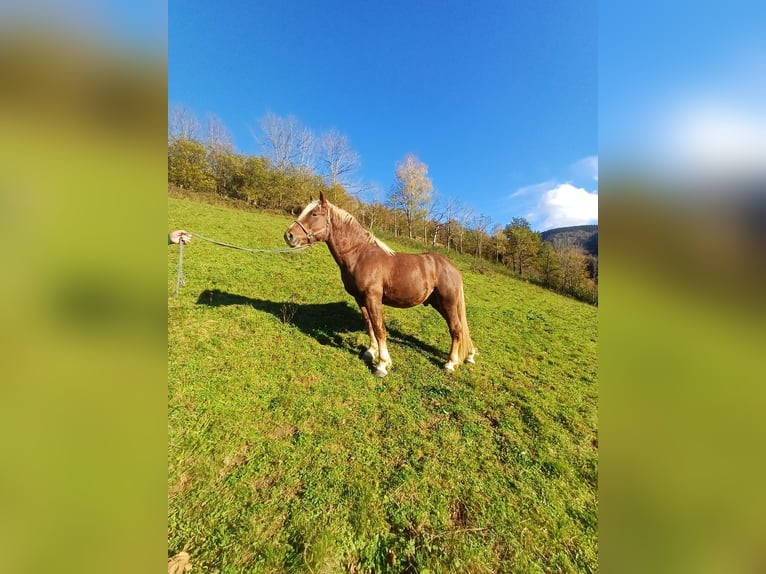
375 275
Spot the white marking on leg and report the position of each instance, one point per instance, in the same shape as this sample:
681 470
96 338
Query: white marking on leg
369 355
384 362
449 366
385 358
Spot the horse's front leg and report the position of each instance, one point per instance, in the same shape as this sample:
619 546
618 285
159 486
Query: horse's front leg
371 353
374 307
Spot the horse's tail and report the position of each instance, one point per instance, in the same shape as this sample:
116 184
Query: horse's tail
465 348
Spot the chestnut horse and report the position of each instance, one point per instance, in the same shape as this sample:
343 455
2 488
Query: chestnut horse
374 275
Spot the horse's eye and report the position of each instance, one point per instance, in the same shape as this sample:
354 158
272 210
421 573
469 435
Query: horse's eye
314 214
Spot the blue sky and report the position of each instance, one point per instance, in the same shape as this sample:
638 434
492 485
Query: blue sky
689 104
499 99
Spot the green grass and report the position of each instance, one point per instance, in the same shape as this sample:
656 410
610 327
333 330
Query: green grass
285 454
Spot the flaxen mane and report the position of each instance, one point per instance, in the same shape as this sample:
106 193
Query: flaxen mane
339 215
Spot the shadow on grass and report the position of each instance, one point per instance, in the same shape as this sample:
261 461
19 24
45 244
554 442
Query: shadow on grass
324 322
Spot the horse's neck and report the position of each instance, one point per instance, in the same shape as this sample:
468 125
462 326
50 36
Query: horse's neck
344 240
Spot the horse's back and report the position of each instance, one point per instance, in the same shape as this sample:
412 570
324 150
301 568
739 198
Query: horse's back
412 278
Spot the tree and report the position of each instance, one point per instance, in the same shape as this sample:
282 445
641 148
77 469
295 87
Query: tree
548 264
523 243
392 204
188 165
182 124
500 243
370 213
228 172
573 266
435 217
463 216
480 224
430 218
337 160
448 217
411 191
371 208
217 137
286 143
226 167
256 180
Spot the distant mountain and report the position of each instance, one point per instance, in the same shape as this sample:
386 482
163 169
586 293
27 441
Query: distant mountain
584 236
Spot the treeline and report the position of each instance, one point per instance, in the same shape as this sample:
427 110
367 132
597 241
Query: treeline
296 164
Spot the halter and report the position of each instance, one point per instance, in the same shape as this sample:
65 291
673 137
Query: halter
310 235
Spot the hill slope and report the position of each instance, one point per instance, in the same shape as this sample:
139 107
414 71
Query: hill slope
286 455
583 236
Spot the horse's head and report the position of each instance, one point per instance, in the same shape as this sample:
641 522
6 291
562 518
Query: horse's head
312 225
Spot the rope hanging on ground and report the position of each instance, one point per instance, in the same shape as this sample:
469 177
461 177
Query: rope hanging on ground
180 276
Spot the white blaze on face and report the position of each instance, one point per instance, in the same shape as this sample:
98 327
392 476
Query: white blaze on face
308 209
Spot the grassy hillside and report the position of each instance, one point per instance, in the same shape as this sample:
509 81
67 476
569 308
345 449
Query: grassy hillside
286 455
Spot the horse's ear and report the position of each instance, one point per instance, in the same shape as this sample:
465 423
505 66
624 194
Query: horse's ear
322 200
311 197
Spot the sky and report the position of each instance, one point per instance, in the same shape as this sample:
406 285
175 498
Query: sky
687 106
498 98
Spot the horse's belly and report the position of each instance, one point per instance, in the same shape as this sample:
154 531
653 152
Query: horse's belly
404 298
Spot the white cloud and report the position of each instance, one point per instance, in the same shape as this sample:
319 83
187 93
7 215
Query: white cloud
566 205
713 138
550 204
534 189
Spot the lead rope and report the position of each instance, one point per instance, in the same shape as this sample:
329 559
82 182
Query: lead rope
180 276
221 243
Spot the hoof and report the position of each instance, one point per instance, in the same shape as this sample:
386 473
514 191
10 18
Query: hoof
449 368
380 372
368 356
470 360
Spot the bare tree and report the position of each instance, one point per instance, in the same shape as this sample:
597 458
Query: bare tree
501 242
286 143
182 124
305 149
372 208
480 224
463 216
218 138
337 160
449 217
411 191
392 204
433 218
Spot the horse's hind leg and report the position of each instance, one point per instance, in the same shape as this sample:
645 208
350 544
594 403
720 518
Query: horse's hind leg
471 358
448 310
454 356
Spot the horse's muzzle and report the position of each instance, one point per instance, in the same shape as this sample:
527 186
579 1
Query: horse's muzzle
290 239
